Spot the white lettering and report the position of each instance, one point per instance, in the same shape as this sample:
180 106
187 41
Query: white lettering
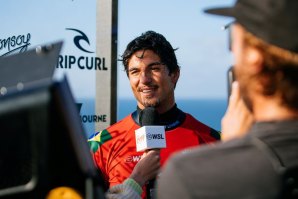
136 158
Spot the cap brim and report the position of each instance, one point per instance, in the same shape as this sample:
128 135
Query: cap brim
229 11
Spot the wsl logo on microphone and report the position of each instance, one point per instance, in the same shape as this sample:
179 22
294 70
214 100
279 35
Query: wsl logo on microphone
150 137
87 62
157 136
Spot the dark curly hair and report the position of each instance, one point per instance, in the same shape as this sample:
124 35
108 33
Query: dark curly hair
156 42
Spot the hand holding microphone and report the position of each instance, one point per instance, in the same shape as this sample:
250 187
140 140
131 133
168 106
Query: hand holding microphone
150 137
147 168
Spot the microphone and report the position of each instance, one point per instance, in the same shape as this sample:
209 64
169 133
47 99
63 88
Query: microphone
150 136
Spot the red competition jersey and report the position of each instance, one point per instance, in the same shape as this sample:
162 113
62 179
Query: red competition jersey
114 149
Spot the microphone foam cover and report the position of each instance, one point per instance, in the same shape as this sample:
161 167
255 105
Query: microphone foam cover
149 117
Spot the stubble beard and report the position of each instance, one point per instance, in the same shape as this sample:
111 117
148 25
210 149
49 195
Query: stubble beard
147 102
244 86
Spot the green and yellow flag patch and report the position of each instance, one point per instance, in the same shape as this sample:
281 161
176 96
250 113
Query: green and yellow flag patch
98 139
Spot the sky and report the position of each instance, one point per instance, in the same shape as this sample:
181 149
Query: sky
202 53
202 44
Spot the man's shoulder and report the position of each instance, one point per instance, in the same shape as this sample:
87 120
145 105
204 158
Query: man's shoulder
212 152
191 119
112 133
122 127
218 149
125 123
200 127
232 167
221 158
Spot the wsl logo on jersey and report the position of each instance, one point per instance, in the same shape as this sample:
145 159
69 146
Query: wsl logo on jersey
133 158
83 62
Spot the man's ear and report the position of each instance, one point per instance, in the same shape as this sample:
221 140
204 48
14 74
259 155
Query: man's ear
254 60
175 76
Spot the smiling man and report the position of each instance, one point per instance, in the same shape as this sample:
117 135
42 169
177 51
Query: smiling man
151 81
151 66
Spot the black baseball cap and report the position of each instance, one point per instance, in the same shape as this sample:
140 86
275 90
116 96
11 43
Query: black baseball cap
273 21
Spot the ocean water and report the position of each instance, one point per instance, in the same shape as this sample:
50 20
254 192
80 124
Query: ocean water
208 111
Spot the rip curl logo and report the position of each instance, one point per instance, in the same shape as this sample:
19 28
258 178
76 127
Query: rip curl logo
82 37
15 44
82 62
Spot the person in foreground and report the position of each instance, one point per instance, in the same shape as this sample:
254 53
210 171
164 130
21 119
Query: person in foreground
151 66
263 163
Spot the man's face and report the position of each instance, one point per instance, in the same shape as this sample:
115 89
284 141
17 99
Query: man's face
150 81
241 65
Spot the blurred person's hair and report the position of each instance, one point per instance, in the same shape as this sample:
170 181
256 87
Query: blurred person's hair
279 74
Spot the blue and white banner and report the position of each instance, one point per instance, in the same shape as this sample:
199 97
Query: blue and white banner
27 24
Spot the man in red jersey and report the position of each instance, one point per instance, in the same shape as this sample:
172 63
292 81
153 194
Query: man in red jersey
151 66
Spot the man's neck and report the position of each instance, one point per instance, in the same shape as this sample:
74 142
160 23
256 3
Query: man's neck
171 119
162 108
270 109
